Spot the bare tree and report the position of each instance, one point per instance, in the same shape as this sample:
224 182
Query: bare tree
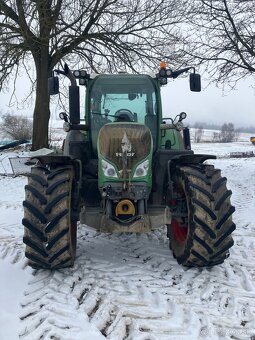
227 133
216 137
16 127
221 36
199 131
105 34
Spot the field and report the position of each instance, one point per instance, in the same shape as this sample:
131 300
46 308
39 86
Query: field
129 286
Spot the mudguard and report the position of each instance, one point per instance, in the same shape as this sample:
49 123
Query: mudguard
184 159
60 160
190 159
55 159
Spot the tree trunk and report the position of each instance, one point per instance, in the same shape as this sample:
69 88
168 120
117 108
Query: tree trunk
41 110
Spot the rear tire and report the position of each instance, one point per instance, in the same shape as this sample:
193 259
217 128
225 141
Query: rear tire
49 227
203 236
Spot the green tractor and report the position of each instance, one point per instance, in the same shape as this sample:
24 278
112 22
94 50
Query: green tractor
126 169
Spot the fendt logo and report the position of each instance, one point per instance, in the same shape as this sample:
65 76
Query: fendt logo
126 147
129 154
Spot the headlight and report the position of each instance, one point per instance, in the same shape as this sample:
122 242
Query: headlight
142 169
108 169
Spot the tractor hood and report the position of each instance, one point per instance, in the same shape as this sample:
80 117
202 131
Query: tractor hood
130 138
125 146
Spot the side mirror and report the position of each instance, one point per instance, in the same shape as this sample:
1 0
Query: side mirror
53 85
195 82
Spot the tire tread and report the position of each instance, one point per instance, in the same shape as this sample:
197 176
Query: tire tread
48 218
209 238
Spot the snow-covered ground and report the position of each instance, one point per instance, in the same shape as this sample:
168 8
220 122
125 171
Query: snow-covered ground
129 286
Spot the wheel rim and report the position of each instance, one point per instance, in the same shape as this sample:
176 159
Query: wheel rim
180 232
179 225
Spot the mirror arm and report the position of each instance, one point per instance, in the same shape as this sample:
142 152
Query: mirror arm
68 74
176 74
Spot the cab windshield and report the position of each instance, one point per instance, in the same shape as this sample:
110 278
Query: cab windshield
122 98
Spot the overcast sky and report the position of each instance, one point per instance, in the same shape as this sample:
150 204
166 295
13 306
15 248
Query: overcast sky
209 105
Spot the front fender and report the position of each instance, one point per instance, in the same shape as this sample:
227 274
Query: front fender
60 160
181 160
185 159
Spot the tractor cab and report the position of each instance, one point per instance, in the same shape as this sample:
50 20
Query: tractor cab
122 98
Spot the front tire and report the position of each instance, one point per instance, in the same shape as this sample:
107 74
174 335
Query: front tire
49 227
201 236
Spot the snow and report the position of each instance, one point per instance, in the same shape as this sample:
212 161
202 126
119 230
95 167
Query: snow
129 286
13 283
13 277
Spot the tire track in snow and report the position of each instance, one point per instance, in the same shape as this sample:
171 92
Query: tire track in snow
11 229
113 294
130 287
11 244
